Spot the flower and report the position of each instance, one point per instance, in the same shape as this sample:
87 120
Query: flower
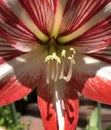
60 47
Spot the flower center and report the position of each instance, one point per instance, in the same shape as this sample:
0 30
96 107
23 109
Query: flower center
56 61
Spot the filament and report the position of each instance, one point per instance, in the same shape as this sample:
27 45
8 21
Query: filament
62 71
57 72
56 66
53 70
48 75
69 75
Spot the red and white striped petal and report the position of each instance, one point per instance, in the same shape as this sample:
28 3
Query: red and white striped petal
60 7
92 77
21 74
103 54
16 26
13 30
41 12
82 15
49 111
7 52
97 38
13 91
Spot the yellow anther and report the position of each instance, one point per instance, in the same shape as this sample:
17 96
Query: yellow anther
56 65
52 57
55 57
72 50
63 53
72 60
69 58
48 58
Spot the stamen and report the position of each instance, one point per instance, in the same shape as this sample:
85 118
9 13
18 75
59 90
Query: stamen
63 55
72 61
53 70
54 61
62 70
69 75
48 75
72 50
55 57
57 72
56 65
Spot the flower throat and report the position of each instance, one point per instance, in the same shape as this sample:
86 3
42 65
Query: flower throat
56 60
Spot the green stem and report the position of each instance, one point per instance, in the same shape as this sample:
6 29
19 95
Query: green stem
13 111
99 116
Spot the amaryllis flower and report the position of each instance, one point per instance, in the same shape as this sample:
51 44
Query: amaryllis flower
59 46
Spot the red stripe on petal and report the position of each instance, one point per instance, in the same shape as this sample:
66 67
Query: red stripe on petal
95 39
71 104
41 12
48 112
12 91
103 55
13 30
20 76
77 13
11 19
7 52
98 89
92 77
27 68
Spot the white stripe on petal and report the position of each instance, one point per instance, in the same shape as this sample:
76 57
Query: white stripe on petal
22 14
101 15
7 52
5 70
104 72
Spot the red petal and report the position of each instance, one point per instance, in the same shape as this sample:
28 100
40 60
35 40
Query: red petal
41 12
17 27
78 12
103 54
97 38
87 26
19 76
7 52
48 112
12 91
98 89
92 78
27 68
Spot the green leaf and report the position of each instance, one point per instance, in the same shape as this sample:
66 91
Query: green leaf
93 121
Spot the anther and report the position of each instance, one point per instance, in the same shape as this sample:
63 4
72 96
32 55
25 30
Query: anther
53 62
56 65
63 53
72 50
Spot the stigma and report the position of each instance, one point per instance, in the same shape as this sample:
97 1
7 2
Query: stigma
56 62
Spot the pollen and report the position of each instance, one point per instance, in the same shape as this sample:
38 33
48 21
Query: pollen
52 57
56 65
